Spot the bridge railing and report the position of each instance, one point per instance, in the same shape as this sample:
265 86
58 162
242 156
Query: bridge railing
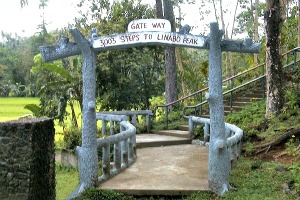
233 136
122 145
134 116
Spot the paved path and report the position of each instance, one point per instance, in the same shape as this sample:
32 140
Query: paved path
164 170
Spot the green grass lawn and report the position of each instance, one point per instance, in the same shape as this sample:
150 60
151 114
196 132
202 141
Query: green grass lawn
11 108
66 181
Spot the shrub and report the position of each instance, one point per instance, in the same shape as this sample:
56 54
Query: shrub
72 137
251 119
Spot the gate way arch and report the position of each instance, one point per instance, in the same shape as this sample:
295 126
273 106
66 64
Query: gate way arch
142 33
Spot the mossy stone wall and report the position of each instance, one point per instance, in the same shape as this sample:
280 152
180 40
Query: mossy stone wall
27 159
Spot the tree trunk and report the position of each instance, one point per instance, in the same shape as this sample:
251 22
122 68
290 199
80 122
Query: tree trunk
179 58
256 29
215 9
180 67
298 26
159 10
274 18
170 59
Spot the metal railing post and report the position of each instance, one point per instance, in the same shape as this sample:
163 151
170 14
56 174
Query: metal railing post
295 60
148 123
167 117
231 99
200 103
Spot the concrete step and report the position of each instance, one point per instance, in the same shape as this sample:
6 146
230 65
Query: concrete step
247 99
254 95
183 127
175 133
155 140
240 104
258 92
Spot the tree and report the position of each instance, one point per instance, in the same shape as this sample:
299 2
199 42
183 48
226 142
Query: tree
23 3
298 24
256 29
59 85
125 79
170 59
274 18
42 26
159 10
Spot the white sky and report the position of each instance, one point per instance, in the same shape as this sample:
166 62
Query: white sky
60 13
24 21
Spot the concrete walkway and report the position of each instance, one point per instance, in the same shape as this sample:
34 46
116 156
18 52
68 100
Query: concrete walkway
164 170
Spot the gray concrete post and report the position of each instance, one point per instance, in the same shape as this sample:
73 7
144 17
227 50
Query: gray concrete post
218 155
87 153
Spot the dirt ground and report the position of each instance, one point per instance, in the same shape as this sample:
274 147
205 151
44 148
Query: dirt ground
278 154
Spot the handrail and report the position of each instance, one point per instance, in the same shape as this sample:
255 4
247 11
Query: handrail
124 144
166 106
202 90
233 136
133 114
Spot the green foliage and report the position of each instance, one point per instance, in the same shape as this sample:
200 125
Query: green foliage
159 112
72 137
251 119
195 74
293 147
249 149
35 109
125 79
59 84
96 194
295 170
245 19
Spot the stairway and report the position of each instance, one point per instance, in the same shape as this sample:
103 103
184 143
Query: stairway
164 138
240 99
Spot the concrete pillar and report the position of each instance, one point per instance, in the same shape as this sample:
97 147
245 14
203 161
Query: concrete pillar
218 155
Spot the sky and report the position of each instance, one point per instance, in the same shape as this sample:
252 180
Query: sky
59 13
24 21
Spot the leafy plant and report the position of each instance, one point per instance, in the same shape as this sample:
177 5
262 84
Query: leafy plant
35 109
72 137
251 119
292 147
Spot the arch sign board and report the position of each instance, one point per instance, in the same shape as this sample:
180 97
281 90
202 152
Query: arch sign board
147 31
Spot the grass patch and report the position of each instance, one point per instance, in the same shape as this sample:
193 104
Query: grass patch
255 179
12 108
66 181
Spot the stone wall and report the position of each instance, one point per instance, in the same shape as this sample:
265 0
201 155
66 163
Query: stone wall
27 159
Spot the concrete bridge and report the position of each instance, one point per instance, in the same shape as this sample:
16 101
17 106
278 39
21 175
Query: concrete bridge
165 165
